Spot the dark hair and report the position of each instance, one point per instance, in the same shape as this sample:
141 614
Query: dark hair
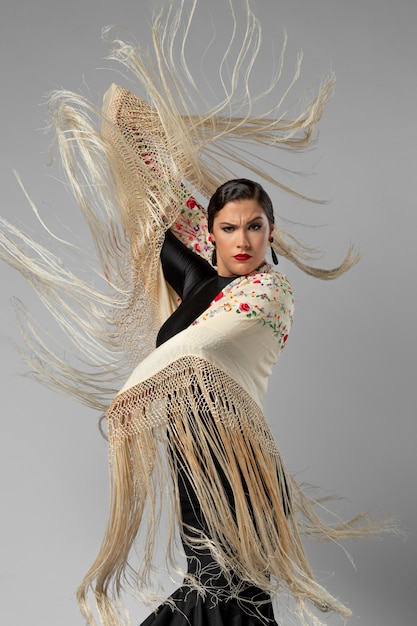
239 189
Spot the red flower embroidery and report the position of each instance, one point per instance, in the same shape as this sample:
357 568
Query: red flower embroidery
219 295
244 307
197 247
284 339
191 203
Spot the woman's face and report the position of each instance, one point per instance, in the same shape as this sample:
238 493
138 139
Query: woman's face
241 231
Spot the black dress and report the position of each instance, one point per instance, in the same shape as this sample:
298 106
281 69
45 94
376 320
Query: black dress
197 283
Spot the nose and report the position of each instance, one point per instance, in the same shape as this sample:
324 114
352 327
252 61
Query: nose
243 240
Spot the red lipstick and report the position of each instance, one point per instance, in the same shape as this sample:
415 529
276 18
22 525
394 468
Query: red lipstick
242 257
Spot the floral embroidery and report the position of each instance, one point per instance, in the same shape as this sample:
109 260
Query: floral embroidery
191 203
191 228
265 297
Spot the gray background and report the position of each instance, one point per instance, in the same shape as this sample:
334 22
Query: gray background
342 401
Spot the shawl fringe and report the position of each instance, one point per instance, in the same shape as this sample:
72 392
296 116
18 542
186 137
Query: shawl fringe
194 418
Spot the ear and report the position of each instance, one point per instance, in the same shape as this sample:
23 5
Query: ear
271 229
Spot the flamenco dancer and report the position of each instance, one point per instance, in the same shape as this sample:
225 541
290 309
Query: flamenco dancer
195 309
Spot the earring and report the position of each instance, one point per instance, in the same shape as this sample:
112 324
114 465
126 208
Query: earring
273 253
214 255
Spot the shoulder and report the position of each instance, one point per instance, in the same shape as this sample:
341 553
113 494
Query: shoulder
268 278
267 285
264 296
261 299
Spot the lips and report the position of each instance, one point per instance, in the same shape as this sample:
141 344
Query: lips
242 257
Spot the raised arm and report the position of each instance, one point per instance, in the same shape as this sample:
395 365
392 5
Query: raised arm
182 267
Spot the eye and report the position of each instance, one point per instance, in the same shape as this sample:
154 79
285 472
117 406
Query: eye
255 226
227 229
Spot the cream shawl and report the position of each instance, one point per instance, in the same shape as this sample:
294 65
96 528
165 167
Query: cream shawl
196 400
205 386
135 169
199 397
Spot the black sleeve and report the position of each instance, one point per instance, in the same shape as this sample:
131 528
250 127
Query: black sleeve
182 267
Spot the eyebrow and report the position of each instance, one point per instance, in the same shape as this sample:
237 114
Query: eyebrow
257 217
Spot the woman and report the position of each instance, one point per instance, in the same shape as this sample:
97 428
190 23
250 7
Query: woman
241 222
241 314
186 432
199 396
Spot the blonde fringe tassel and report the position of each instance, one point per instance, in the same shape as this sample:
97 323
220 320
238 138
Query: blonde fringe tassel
127 213
207 422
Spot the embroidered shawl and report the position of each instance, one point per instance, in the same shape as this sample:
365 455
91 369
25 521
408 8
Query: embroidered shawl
195 402
134 178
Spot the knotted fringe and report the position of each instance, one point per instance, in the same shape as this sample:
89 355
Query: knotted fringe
194 418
